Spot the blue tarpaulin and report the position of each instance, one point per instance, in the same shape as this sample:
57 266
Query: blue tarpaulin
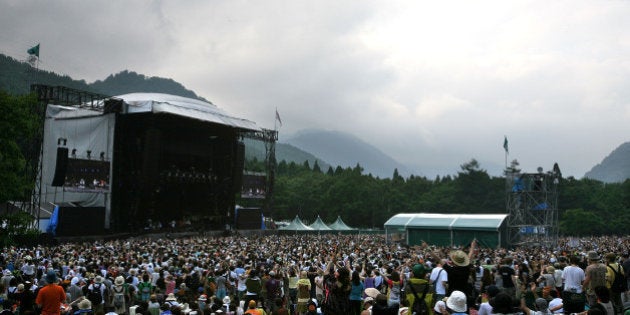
54 219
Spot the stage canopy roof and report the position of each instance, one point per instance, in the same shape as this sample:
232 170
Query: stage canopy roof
183 106
319 225
160 103
296 225
339 225
487 222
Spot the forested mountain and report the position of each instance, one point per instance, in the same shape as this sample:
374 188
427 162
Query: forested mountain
16 78
615 168
129 82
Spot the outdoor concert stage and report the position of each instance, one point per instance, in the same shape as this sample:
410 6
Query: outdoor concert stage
139 161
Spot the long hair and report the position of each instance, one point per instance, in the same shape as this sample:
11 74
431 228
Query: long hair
356 280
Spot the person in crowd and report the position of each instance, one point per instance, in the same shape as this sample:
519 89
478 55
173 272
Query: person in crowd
51 296
439 280
614 270
356 293
456 304
488 294
338 287
594 276
459 271
304 292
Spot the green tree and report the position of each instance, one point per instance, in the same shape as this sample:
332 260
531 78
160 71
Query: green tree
17 131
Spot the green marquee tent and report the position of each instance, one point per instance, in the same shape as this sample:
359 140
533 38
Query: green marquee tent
448 229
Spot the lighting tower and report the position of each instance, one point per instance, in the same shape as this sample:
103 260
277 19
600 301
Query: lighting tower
532 206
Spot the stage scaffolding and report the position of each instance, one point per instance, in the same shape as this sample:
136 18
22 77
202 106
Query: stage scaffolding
532 205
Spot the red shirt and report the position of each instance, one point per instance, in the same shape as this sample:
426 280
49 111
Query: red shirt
50 298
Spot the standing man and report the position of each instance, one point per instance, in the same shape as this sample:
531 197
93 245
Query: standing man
50 297
595 276
572 295
439 280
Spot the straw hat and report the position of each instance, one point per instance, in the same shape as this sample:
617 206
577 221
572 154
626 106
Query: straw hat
593 256
85 304
372 292
460 258
119 280
170 297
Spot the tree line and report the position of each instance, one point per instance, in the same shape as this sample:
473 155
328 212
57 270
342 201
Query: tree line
585 206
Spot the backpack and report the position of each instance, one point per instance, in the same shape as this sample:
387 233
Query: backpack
119 297
419 306
619 284
94 295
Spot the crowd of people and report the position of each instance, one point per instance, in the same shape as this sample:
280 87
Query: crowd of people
313 274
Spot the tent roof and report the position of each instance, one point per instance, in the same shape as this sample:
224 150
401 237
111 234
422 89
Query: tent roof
319 225
183 106
489 222
296 225
165 104
339 225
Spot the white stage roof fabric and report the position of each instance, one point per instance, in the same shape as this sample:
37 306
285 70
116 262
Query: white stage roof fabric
183 106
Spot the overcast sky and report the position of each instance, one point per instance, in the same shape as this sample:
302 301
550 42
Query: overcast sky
432 84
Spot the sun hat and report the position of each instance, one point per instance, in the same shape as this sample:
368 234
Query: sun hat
85 304
226 300
459 258
119 280
170 297
372 292
457 301
98 279
593 256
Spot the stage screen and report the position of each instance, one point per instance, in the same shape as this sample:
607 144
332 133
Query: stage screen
254 185
85 175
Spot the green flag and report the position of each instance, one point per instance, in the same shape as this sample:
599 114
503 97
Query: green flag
34 50
505 145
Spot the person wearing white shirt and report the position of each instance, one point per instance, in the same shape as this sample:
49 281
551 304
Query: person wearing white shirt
439 278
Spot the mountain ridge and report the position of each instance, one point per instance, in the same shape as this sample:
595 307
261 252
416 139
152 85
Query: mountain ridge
330 147
614 168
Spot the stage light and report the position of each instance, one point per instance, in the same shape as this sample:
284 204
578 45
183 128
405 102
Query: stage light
89 154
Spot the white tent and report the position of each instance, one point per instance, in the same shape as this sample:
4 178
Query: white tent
319 225
296 225
339 225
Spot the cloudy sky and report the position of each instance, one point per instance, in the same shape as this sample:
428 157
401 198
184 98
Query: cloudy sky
432 84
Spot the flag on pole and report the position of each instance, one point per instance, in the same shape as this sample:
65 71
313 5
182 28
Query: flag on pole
34 50
278 117
505 145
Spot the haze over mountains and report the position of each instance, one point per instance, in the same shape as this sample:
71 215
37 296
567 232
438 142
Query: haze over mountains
328 147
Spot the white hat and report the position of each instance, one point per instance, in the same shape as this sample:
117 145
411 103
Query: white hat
457 301
226 300
119 280
170 297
